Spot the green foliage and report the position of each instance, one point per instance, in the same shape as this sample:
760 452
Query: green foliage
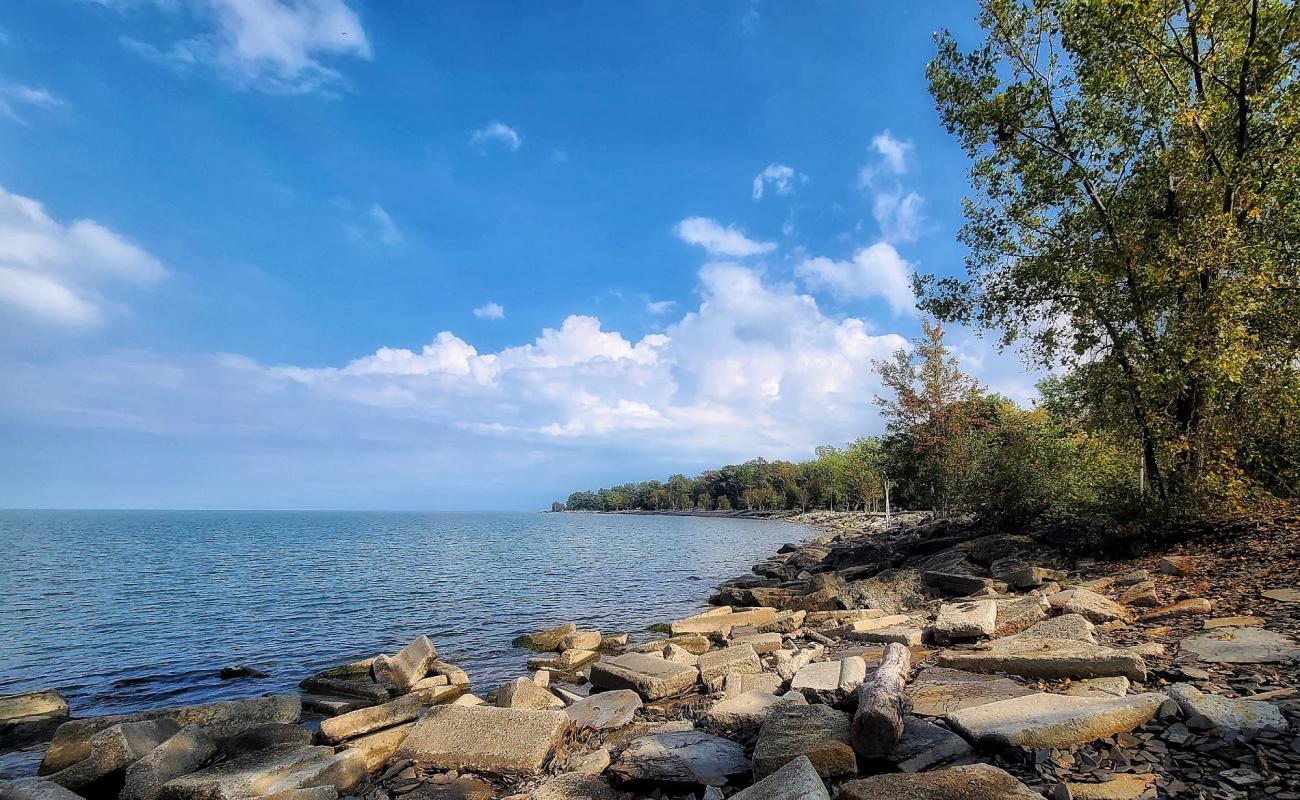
1135 217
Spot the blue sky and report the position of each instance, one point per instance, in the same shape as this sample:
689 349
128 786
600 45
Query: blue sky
346 253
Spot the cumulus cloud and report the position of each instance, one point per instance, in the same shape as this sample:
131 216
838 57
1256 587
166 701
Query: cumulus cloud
278 46
898 211
497 132
875 271
490 311
780 177
720 241
895 153
57 273
899 214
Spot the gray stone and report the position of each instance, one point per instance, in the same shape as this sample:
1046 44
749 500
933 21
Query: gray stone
739 658
907 635
784 622
1053 720
580 640
937 691
1176 565
748 710
1016 614
1047 658
272 734
378 748
593 763
114 749
35 789
797 780
505 741
397 673
1086 603
548 639
181 754
605 710
762 643
689 757
526 694
332 706
248 776
969 782
925 745
892 591
652 678
1241 646
715 623
955 584
306 793
1066 626
343 771
1090 687
830 681
767 682
366 690
677 655
369 720
1228 713
30 716
218 720
817 731
1183 608
573 786
964 621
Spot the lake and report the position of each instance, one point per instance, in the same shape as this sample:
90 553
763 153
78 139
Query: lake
124 610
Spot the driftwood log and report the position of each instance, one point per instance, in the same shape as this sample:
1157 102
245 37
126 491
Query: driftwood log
882 703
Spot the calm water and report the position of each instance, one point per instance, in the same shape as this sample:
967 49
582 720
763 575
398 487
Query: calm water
130 610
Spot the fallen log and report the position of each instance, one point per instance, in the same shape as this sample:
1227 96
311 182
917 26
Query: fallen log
882 702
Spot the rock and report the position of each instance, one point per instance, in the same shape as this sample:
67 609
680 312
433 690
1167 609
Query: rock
241 671
397 673
970 782
1015 615
505 741
548 639
1094 607
937 691
1120 787
762 643
332 706
784 622
366 690
34 789
612 642
818 732
181 754
1047 658
797 780
593 763
115 748
580 640
953 584
1227 713
714 623
569 661
818 619
30 716
468 700
305 793
369 720
1147 649
652 678
747 711
1141 595
892 591
963 621
925 745
605 710
350 671
677 655
693 643
526 694
1091 687
1233 622
1053 720
830 682
689 757
241 778
218 720
902 634
1183 608
736 684
618 738
1282 595
1176 565
719 663
857 627
576 787
272 734
457 788
1240 646
342 770
378 748
1066 626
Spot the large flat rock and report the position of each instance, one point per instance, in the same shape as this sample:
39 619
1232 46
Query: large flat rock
398 673
368 720
924 746
35 789
830 681
244 777
503 741
715 623
116 748
687 757
218 720
1087 603
740 658
605 710
1053 720
818 732
937 691
179 755
964 621
1047 658
1228 713
378 748
797 780
652 678
1241 646
747 711
971 782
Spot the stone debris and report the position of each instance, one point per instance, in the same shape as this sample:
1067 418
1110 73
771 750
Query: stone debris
397 673
816 731
504 741
1227 713
605 710
740 659
368 720
689 757
971 782
937 691
180 754
652 678
830 681
1183 608
964 621
1241 646
797 780
925 745
1047 658
747 711
30 716
1053 720
1094 607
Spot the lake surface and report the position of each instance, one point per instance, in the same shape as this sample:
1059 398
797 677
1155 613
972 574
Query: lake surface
124 610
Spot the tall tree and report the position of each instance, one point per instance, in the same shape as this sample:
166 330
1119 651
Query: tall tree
1137 215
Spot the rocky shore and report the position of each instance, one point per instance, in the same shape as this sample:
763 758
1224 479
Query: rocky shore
928 660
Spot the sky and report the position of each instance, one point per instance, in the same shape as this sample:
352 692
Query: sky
360 254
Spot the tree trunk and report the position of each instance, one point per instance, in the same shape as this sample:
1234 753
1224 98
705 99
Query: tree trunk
882 702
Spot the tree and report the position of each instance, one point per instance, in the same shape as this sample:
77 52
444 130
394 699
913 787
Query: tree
930 417
1136 169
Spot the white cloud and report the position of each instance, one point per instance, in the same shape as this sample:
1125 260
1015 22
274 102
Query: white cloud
14 95
875 271
384 225
720 241
490 311
781 178
658 307
894 152
56 273
898 214
497 132
278 46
